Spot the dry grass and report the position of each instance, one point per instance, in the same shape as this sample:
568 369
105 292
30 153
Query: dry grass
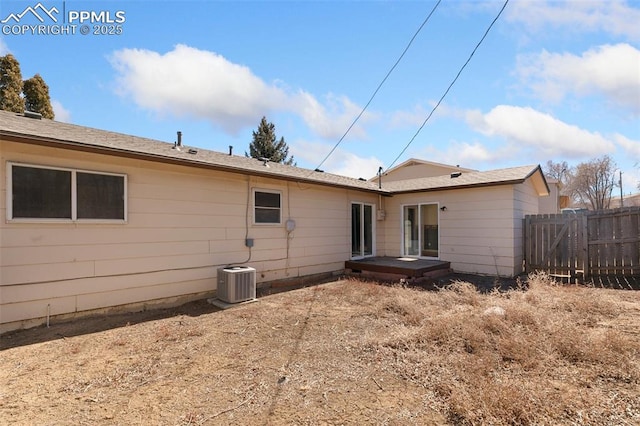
541 356
348 352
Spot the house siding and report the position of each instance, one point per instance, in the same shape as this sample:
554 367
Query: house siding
418 170
550 204
183 223
526 201
476 231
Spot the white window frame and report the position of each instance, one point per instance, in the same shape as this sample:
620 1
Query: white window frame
74 207
266 191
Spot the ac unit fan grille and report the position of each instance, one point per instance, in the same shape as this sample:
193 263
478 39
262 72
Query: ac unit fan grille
236 284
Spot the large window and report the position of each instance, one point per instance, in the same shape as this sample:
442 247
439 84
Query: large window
36 192
267 207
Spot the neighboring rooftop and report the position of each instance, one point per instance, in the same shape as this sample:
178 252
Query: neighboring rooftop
628 200
414 168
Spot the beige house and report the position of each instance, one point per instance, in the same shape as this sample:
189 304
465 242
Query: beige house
95 220
628 200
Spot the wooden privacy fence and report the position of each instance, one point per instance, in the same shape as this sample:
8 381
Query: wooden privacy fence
605 242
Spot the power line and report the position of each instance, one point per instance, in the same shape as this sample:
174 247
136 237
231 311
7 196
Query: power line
450 85
380 85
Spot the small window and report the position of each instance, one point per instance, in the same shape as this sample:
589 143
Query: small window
51 193
267 207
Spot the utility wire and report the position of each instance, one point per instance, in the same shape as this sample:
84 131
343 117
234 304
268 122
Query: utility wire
451 85
380 85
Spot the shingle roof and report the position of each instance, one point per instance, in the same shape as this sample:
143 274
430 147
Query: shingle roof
48 132
17 127
507 176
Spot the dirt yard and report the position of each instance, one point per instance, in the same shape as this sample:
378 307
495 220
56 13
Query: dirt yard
346 352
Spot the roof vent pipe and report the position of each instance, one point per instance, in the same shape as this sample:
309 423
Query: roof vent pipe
380 177
456 175
230 149
179 138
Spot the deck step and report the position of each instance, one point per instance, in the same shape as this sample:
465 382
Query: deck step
406 267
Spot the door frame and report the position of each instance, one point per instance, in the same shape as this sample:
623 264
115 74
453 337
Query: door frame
420 235
362 254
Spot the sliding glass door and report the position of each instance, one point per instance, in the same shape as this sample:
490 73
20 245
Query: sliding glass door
362 240
420 236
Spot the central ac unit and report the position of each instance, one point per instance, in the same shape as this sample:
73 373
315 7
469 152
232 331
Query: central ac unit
236 284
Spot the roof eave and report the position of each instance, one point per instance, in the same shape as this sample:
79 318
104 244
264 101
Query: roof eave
463 186
123 153
538 169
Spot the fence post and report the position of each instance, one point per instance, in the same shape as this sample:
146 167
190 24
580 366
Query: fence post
527 244
583 257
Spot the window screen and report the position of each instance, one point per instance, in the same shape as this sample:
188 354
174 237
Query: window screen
100 196
267 207
45 193
41 193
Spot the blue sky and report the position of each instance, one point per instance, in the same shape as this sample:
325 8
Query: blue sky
552 80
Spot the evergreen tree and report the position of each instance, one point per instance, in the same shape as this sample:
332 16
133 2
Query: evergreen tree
264 145
36 94
10 84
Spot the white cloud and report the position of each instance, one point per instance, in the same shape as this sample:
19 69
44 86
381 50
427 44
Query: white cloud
631 182
631 147
613 17
341 162
192 82
469 153
349 164
610 70
414 117
539 134
202 84
473 155
61 113
4 49
463 153
333 120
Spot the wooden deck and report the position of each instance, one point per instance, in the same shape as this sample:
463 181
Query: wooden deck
410 267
